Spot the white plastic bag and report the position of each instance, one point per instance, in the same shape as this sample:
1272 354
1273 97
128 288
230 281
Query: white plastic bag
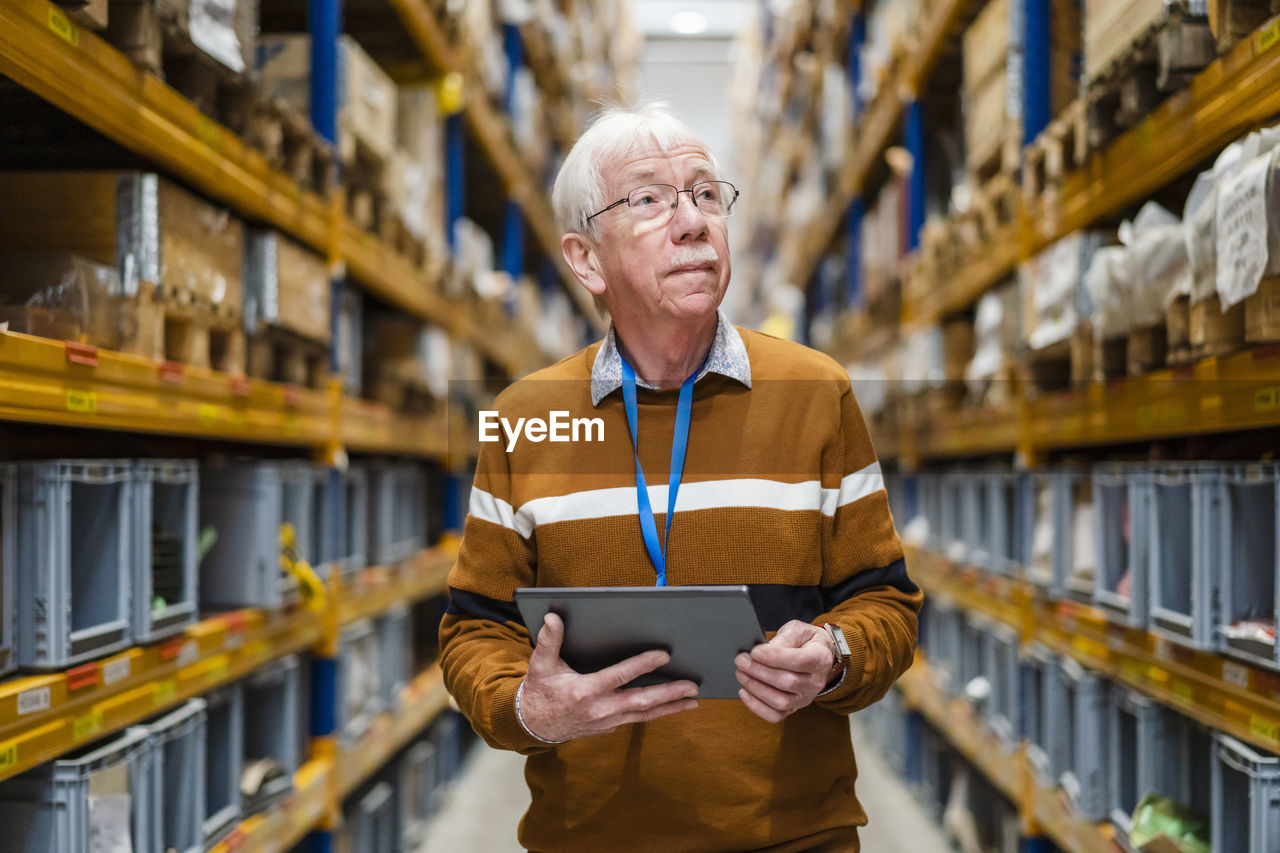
1157 259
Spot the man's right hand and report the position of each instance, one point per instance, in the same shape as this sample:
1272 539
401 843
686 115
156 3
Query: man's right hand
559 704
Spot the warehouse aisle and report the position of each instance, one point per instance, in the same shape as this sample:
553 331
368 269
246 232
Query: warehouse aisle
482 810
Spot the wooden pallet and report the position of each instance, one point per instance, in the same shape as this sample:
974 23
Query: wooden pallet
1177 324
1162 60
280 355
1060 148
284 137
1234 20
166 326
1214 332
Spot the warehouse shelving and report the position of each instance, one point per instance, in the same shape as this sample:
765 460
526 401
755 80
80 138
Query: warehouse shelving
1226 695
44 716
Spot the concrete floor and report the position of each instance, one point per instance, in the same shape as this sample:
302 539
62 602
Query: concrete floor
482 810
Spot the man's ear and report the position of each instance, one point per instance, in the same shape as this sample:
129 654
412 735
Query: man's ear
580 254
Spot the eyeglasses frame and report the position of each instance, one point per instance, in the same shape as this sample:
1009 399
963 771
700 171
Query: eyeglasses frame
627 198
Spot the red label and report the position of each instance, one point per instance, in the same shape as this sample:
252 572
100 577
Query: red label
170 371
240 386
82 676
82 354
292 396
171 648
235 622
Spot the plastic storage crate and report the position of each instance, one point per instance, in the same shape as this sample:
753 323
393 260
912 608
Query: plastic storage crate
1074 534
177 742
297 494
397 509
929 489
951 517
224 761
165 571
243 502
1246 798
1006 522
1079 732
417 781
66 804
359 679
1136 759
975 635
1250 562
273 705
975 518
75 557
395 634
1185 567
340 539
1122 512
1003 671
946 627
1041 532
371 821
8 568
1036 690
448 736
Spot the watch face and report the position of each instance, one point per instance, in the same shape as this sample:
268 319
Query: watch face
842 645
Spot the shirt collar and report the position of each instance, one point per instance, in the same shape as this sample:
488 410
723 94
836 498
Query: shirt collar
728 357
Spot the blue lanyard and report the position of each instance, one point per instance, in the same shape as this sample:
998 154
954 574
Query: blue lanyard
679 444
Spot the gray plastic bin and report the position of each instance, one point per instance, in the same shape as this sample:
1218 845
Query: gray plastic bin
1006 508
1041 532
63 806
74 557
929 487
341 539
1078 726
975 518
371 821
1074 557
177 742
1185 567
1003 672
1250 562
951 517
224 764
974 638
243 502
417 780
1122 511
397 506
1135 762
1037 688
165 574
8 568
359 679
1246 798
944 638
395 635
297 493
272 714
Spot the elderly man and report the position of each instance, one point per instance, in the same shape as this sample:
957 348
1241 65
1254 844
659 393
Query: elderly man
773 483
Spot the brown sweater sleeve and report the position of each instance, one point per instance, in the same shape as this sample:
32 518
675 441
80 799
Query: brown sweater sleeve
865 583
484 647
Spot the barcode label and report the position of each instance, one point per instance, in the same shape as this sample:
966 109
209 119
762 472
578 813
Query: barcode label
34 700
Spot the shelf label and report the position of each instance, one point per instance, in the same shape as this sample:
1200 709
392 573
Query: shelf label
189 654
113 671
8 756
88 725
207 413
1265 728
1182 690
1234 673
1269 37
164 691
31 701
258 650
61 24
82 402
219 667
1266 399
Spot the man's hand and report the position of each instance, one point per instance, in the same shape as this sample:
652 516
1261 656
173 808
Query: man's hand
559 704
784 675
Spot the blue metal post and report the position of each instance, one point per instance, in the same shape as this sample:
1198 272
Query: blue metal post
454 173
853 255
324 20
324 682
513 47
916 194
1036 845
1037 51
513 248
857 38
320 842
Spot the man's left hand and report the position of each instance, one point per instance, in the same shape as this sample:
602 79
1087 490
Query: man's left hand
784 675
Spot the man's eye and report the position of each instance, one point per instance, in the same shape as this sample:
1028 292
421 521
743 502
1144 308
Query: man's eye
645 199
706 194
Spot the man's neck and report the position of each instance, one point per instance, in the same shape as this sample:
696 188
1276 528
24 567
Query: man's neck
664 357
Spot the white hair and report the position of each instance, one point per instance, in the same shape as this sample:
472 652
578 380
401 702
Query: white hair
613 134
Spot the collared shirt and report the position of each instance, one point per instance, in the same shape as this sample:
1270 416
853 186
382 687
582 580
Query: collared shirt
728 357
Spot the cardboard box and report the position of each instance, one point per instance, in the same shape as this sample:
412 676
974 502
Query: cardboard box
1111 26
367 98
91 14
286 286
986 44
61 295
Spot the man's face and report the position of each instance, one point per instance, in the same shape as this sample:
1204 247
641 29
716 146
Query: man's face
662 270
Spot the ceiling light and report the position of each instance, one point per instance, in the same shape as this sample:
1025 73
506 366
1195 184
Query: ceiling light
689 23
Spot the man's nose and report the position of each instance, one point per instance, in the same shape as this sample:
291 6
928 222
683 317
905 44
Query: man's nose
688 219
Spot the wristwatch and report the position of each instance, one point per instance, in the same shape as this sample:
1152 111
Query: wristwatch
840 653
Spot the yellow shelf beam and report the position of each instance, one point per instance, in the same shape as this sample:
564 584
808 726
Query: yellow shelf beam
44 716
494 135
380 588
84 76
1237 698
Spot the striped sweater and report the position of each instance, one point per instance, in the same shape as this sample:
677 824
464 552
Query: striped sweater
781 492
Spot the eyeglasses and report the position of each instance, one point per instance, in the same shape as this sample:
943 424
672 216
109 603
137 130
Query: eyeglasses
657 202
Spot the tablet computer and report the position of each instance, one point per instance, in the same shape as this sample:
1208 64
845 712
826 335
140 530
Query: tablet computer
703 628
